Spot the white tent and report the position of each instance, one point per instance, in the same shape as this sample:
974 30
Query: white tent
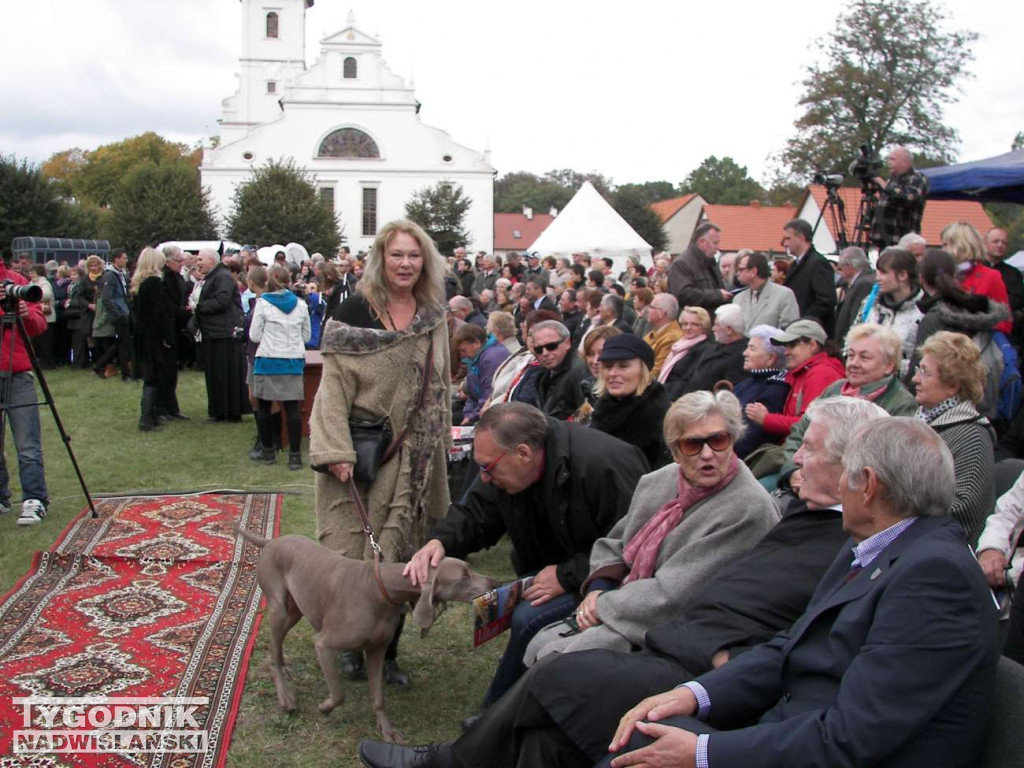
588 223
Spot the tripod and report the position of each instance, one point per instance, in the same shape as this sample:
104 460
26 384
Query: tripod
836 210
11 321
866 214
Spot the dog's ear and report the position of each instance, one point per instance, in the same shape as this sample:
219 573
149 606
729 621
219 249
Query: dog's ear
423 613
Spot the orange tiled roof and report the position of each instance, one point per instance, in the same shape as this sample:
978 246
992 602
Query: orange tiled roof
666 209
749 226
937 213
506 225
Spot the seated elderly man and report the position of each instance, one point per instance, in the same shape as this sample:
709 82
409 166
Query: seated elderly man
565 709
463 309
662 314
686 521
893 662
722 360
554 488
560 385
873 354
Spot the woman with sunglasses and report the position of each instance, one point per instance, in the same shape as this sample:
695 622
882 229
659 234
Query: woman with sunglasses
631 403
685 522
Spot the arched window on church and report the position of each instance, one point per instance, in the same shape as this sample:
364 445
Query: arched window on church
348 142
272 24
349 68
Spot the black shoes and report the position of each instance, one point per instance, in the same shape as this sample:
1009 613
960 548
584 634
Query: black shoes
295 460
374 754
352 665
394 676
179 416
264 455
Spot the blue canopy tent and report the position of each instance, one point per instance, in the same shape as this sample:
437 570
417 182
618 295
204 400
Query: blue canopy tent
998 179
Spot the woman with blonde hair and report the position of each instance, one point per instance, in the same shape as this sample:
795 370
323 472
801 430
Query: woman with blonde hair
963 242
677 368
385 361
154 334
949 385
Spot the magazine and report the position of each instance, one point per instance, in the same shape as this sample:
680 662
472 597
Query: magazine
493 610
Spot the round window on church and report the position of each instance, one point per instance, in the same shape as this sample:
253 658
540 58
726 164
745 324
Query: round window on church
348 142
247 155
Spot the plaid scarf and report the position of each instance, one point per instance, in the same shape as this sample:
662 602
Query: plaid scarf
928 415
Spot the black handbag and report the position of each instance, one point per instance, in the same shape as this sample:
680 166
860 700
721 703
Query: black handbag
370 441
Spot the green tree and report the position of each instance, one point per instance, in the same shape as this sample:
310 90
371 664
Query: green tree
29 203
888 70
96 176
722 182
441 211
280 205
161 202
631 204
514 191
1018 141
652 191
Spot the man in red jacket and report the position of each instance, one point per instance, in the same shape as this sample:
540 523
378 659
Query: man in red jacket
19 401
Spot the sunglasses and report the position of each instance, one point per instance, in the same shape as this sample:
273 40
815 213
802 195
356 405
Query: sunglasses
691 446
549 347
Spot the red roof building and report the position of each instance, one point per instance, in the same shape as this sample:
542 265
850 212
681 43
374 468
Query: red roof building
679 217
666 209
518 231
753 226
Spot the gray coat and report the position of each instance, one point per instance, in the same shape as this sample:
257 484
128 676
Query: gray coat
776 306
711 533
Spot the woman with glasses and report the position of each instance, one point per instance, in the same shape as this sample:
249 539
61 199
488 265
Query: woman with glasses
686 521
388 350
695 323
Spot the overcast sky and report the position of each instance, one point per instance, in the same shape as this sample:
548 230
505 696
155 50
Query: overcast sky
637 91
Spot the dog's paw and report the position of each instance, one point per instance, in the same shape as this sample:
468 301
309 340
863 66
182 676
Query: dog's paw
327 705
387 733
286 701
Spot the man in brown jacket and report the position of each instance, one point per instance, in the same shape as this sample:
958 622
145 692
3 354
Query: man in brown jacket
663 314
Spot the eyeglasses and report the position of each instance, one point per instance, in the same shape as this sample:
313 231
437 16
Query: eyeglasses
691 446
549 347
489 469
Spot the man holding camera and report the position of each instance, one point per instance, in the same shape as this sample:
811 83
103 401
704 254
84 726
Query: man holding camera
901 204
19 402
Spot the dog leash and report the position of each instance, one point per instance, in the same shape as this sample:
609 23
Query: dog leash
364 518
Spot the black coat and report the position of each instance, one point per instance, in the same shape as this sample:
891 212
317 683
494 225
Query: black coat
757 595
176 292
220 306
573 321
683 370
813 282
588 482
81 295
560 391
717 362
155 331
637 421
695 280
769 388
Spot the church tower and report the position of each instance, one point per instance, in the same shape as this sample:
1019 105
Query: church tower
273 53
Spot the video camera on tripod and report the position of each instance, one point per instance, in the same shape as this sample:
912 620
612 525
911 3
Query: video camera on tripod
865 169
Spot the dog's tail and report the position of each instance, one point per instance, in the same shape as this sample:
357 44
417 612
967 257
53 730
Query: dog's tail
259 541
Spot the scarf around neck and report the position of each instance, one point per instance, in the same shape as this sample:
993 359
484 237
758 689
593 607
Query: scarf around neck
679 350
870 391
641 553
928 415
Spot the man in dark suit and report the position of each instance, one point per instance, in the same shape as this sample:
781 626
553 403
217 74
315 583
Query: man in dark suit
858 280
694 278
892 663
536 292
811 277
567 707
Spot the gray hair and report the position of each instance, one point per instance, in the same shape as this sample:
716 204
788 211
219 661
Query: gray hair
460 302
668 303
854 257
842 417
697 406
503 282
911 461
501 324
614 303
209 253
170 251
909 239
889 342
551 325
731 315
512 424
766 333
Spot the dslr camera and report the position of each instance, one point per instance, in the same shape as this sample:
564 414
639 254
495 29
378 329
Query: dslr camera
31 293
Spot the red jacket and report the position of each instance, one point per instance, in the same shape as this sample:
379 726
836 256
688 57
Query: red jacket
806 382
35 325
985 281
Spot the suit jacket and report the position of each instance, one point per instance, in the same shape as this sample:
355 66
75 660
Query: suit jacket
776 306
849 307
548 304
813 281
695 280
909 642
717 362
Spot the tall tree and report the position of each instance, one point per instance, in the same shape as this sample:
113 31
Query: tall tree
441 211
888 69
652 191
161 202
279 204
96 176
722 182
630 201
29 204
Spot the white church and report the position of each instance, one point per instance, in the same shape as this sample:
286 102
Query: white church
347 120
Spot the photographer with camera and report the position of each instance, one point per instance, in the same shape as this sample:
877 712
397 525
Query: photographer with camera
901 204
18 395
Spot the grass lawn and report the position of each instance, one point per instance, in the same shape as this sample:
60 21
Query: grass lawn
449 675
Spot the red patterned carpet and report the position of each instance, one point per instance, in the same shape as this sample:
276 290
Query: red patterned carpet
151 599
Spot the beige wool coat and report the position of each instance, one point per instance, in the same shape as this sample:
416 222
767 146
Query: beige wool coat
371 373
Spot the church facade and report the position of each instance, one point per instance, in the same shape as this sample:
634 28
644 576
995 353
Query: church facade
347 120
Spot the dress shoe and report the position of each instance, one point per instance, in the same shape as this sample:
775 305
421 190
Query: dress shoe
352 665
394 676
179 416
375 754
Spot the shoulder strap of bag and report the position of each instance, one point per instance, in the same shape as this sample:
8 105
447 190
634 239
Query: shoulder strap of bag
428 372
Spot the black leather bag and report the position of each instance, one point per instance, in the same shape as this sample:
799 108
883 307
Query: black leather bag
370 440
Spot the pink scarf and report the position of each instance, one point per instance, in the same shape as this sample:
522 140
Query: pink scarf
641 554
678 352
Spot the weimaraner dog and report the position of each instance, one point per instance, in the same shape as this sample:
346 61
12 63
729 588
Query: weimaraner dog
340 597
